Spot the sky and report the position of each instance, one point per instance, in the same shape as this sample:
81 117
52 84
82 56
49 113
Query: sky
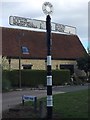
67 12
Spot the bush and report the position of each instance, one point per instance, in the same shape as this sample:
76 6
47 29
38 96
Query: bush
6 84
34 78
61 77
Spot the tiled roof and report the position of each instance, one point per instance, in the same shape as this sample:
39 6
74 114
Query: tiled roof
63 46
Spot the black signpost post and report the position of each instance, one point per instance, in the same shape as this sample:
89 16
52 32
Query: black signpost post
49 71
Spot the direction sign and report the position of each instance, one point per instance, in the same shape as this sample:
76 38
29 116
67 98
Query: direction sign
39 24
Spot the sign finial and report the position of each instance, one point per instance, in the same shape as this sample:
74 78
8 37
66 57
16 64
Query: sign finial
47 8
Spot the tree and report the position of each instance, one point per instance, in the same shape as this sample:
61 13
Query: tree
4 63
83 63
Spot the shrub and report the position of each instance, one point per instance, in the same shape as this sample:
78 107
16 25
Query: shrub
34 78
6 85
61 77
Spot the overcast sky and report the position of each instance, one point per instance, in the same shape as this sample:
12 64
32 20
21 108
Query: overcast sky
67 12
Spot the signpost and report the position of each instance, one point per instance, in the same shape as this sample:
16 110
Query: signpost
49 11
48 26
39 24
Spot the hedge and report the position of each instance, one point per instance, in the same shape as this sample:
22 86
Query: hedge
33 78
6 84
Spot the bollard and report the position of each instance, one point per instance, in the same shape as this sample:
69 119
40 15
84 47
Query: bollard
22 101
42 109
35 104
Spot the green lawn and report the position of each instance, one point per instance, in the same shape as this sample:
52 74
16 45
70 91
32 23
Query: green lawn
66 105
71 105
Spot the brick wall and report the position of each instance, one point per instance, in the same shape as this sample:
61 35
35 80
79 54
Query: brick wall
39 64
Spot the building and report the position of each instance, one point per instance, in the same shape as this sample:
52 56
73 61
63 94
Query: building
66 49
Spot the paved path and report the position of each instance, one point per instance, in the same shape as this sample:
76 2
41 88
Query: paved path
10 99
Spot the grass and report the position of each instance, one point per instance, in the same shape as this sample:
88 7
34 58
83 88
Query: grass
71 105
67 105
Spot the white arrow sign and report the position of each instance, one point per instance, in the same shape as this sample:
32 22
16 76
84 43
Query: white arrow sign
39 24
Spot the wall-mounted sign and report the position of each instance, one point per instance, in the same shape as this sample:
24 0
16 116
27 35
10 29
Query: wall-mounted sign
39 24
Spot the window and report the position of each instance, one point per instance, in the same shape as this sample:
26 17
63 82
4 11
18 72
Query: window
25 50
68 66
